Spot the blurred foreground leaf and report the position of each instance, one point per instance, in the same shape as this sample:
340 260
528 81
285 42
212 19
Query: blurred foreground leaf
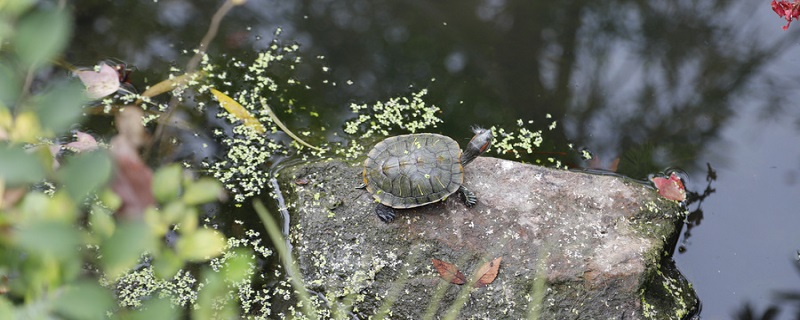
202 191
200 245
122 251
133 179
60 107
167 182
10 85
50 238
85 172
211 301
84 300
42 35
152 309
238 266
18 166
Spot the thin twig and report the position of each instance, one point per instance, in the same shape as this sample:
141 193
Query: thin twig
210 34
192 65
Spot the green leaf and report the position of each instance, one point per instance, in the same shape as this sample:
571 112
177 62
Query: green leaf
167 183
200 245
122 251
84 300
238 266
6 308
10 86
14 8
173 212
155 309
61 106
212 301
202 191
42 35
56 239
18 167
84 173
102 222
167 265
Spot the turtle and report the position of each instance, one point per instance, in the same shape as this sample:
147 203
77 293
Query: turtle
413 170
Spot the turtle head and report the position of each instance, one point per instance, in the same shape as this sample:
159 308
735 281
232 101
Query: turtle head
479 143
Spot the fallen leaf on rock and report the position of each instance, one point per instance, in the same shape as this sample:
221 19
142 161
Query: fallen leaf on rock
487 272
671 188
449 272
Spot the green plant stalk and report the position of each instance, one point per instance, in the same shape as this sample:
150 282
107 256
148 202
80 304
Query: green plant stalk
394 291
463 295
441 289
437 297
284 128
286 258
538 288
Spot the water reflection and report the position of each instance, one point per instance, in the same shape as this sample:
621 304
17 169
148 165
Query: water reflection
656 80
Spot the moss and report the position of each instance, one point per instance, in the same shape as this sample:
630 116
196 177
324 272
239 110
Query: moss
668 290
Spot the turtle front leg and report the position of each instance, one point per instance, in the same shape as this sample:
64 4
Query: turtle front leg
385 213
469 198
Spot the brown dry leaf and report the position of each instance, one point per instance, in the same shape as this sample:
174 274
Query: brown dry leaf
449 272
487 272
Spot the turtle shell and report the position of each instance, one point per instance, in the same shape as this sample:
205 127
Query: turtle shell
412 170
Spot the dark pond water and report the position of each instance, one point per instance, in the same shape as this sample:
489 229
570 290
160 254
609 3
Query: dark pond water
707 86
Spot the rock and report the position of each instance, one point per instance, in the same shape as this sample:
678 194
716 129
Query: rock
573 246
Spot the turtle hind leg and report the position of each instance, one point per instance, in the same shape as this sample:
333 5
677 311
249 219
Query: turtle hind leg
469 198
385 213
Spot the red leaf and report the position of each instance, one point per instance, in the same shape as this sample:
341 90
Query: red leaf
671 188
449 272
787 10
132 180
487 272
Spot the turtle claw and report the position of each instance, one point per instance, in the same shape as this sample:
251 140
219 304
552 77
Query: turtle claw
469 198
386 214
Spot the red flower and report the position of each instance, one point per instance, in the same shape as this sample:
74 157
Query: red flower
787 10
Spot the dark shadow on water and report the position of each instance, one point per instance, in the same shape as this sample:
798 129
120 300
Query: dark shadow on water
748 312
787 301
695 199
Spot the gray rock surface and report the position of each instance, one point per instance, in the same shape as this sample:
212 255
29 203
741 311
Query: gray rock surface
573 246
